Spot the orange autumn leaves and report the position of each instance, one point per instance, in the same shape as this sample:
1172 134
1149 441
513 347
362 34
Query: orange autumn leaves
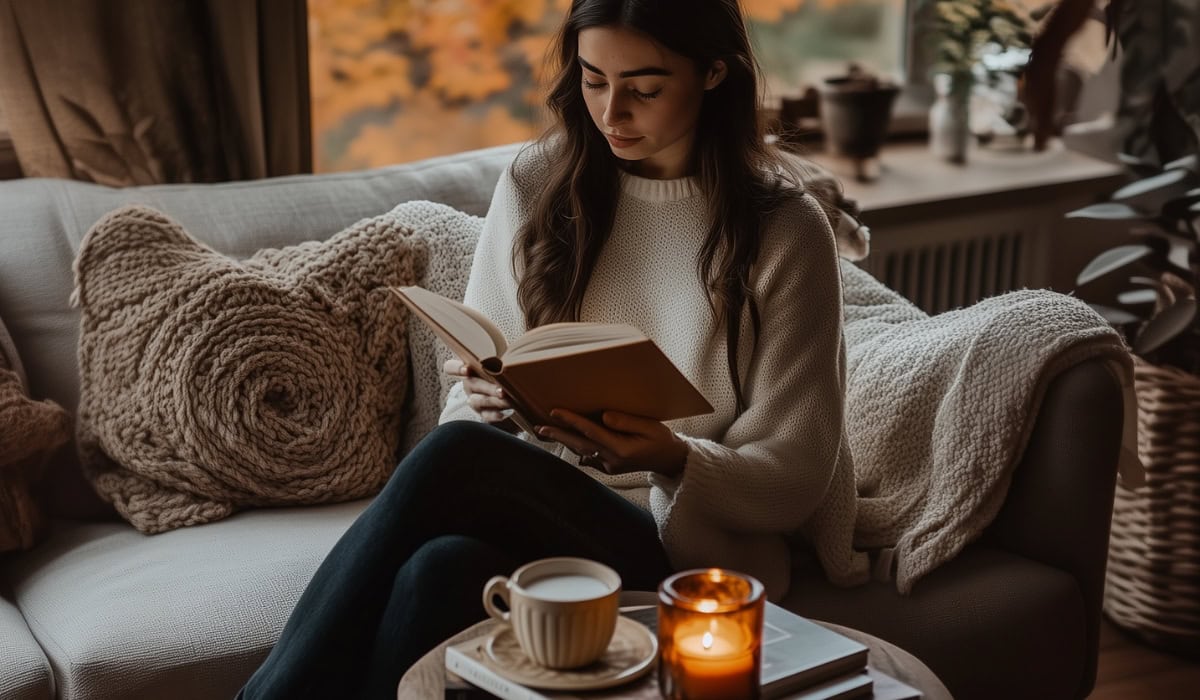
399 80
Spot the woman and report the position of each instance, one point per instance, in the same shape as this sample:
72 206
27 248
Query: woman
654 202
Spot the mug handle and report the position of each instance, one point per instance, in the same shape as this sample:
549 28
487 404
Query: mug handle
496 586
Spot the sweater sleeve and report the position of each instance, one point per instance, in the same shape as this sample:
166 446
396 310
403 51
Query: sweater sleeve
492 286
776 462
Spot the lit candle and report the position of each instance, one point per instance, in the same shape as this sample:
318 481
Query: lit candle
715 661
710 632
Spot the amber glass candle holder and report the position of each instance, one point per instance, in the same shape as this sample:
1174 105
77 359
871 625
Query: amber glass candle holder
710 624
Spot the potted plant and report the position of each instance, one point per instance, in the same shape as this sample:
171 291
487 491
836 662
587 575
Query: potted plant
855 111
1156 274
963 33
1147 289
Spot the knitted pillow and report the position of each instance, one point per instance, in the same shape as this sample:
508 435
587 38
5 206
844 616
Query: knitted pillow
30 431
210 384
444 240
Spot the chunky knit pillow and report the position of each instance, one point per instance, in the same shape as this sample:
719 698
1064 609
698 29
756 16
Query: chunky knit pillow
210 384
30 431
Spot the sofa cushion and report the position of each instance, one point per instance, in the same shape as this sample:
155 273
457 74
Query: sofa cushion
990 624
26 671
42 222
186 614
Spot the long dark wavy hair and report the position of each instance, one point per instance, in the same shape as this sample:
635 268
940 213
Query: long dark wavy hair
742 178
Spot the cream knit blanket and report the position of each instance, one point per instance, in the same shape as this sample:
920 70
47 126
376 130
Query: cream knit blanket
210 384
939 410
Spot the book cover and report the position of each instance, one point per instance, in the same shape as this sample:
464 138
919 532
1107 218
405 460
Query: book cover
583 367
807 662
848 687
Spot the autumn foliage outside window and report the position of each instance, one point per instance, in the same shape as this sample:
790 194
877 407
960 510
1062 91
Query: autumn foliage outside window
400 80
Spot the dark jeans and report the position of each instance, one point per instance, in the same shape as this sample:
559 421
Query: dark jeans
469 502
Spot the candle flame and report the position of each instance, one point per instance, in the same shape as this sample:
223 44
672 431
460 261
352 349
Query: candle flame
708 606
707 641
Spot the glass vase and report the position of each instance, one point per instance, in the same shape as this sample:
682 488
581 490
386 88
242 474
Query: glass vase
950 116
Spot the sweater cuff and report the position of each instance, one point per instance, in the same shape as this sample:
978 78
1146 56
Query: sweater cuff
702 470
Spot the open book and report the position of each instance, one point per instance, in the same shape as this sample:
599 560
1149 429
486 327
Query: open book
587 368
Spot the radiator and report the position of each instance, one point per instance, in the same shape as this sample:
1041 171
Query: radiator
955 271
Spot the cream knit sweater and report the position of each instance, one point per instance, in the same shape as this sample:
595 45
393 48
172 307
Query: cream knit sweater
751 482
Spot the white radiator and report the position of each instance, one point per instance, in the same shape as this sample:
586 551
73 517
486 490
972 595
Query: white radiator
948 268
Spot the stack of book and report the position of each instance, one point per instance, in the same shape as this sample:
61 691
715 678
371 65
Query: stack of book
801 660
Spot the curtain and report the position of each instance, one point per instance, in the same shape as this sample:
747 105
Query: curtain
133 92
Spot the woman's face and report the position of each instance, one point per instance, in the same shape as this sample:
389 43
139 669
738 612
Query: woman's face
644 98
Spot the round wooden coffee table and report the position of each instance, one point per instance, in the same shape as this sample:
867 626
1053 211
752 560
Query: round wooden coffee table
427 678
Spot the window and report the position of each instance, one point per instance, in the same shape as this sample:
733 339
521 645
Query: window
800 42
399 80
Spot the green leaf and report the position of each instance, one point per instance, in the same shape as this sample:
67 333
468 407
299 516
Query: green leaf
1171 183
1116 317
1111 260
1137 297
1166 326
1108 211
1189 162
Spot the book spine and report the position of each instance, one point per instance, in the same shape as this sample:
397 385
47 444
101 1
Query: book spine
525 413
477 674
458 689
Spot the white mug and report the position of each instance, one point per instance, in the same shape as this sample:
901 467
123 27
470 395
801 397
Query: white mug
563 610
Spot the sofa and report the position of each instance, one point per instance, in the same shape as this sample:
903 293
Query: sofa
98 610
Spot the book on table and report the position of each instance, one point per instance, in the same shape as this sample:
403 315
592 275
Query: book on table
586 368
801 661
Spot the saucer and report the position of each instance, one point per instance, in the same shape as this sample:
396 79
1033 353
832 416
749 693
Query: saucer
630 654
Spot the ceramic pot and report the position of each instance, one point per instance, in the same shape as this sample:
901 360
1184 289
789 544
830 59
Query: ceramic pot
855 115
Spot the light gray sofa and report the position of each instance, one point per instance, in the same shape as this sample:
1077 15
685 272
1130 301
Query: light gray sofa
100 611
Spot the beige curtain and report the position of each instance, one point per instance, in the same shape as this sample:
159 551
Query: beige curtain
125 92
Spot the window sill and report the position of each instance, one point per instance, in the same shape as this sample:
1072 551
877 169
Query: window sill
912 179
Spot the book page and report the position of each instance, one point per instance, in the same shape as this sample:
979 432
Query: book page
555 336
470 328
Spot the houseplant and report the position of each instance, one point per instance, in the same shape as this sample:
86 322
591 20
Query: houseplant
1147 289
962 33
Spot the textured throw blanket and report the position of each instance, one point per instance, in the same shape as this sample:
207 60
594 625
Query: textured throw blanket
939 410
209 384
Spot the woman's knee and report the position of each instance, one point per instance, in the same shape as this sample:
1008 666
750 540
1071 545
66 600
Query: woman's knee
444 454
455 565
452 441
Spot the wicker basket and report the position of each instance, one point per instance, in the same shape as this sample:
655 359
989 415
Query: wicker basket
1153 580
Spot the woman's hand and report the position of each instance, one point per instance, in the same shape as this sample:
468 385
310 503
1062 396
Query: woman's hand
484 397
624 443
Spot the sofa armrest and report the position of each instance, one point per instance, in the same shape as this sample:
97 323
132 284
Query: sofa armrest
1059 505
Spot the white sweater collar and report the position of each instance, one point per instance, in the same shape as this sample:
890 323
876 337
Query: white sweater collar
659 190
